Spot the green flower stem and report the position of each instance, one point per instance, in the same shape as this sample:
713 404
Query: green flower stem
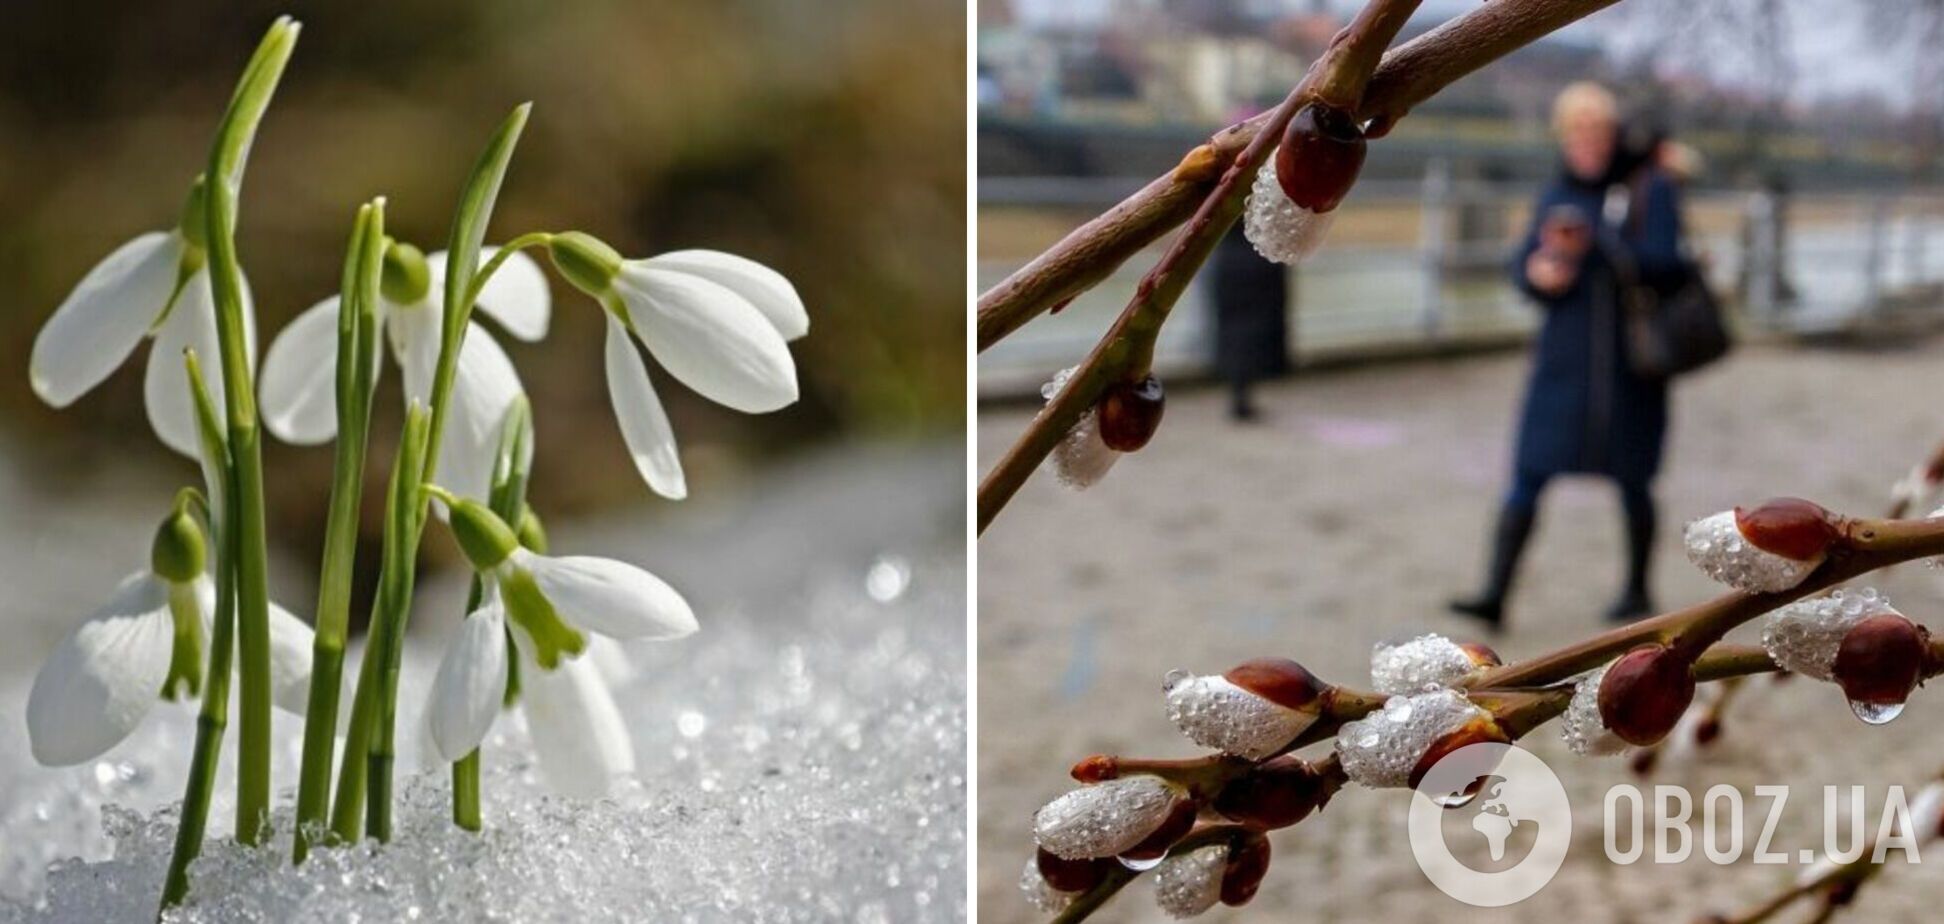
356 371
511 468
378 706
499 258
246 538
367 748
214 717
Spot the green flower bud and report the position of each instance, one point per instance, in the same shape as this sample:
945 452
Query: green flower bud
530 609
177 555
585 260
406 276
532 534
483 536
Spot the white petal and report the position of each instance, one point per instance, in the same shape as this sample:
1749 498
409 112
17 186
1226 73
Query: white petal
483 389
413 331
103 319
767 289
100 681
290 660
610 597
576 729
298 388
644 425
471 683
171 408
517 295
712 339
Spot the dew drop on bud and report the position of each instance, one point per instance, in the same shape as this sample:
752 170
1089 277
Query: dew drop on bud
1081 458
1130 412
1581 726
1876 713
1386 748
1107 818
1424 663
1141 865
1806 636
1281 230
1644 693
1216 712
1716 545
1880 660
1190 883
1322 152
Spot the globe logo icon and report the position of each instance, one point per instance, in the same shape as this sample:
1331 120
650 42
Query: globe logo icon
1507 791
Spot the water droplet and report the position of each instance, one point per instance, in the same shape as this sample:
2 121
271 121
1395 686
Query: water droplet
1876 713
1140 866
1174 678
1459 799
888 578
691 724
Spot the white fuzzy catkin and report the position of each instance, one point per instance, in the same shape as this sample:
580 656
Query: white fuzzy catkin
1082 457
1040 893
1805 635
1381 749
1215 713
1582 728
1191 883
1104 819
1716 545
1423 663
1281 230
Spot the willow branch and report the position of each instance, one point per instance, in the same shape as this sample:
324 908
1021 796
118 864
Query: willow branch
1407 76
1126 351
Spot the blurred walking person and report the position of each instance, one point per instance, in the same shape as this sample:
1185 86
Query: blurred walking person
1606 217
1249 298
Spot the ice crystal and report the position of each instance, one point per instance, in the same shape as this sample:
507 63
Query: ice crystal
1805 635
1104 819
1582 727
1716 546
1215 713
1423 663
1381 749
1281 230
1189 884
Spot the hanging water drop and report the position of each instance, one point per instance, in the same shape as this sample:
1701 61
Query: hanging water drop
1876 713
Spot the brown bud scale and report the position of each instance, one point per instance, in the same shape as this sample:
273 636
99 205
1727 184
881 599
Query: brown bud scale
1180 820
1275 794
1645 693
1791 527
1322 152
1097 768
1881 659
1278 680
1248 863
1477 730
1130 412
1071 875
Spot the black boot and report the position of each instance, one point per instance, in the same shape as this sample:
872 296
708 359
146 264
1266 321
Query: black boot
1514 528
1241 405
1634 601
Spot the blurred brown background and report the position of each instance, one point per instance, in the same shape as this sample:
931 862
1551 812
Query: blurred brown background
825 139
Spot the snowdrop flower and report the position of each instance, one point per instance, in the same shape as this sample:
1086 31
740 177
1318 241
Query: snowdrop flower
153 286
552 605
717 322
298 390
147 642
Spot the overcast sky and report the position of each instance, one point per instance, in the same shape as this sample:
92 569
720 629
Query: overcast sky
1826 41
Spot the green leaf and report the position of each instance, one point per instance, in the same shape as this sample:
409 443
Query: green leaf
474 214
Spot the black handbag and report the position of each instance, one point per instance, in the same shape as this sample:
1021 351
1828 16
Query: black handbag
1674 325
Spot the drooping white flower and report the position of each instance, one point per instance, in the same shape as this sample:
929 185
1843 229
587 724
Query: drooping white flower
155 286
146 643
717 322
298 390
550 606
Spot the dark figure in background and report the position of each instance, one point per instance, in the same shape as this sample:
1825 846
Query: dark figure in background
1250 300
1586 410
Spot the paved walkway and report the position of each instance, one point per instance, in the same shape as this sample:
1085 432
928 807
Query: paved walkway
1346 517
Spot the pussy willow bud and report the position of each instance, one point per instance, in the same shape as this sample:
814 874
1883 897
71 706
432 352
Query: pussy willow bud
1644 693
1321 153
1107 819
1082 457
1248 862
1805 636
1040 893
1881 660
1130 412
1180 821
1252 711
1187 884
1424 663
1274 794
1095 769
1581 726
1070 875
1396 745
178 552
1769 547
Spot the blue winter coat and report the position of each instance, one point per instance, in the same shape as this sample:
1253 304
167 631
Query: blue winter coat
1586 411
